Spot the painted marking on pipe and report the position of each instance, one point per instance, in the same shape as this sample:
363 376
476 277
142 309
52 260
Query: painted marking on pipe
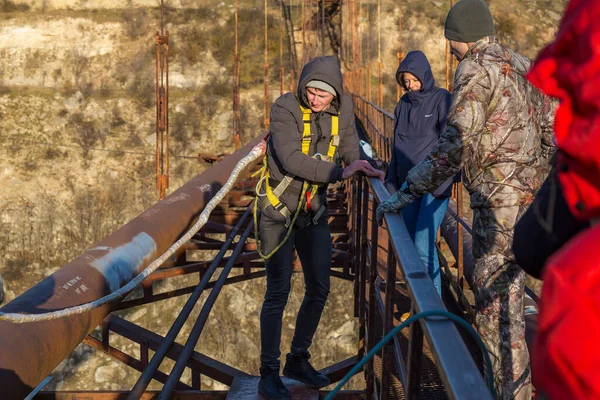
204 188
100 248
71 282
150 212
174 199
121 264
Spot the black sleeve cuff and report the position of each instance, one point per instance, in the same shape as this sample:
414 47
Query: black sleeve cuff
340 173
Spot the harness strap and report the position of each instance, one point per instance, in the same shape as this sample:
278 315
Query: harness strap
335 137
309 190
306 135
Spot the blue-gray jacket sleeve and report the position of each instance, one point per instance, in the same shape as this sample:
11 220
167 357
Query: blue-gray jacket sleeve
287 145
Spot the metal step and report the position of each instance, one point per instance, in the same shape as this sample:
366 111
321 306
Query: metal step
246 389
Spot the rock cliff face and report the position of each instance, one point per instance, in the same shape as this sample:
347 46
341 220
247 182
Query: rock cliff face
77 140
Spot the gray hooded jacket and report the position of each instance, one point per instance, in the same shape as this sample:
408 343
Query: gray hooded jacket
284 150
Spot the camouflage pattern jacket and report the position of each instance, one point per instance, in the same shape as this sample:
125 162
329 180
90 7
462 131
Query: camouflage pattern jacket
499 129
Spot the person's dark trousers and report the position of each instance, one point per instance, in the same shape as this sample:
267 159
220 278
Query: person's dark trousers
313 246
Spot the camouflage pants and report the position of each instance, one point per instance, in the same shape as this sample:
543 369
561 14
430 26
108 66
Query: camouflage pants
500 285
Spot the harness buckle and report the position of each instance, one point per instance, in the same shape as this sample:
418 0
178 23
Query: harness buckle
320 156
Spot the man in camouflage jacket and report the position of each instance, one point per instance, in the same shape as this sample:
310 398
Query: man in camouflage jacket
500 132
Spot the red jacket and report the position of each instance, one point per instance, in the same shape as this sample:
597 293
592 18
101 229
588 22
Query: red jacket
569 68
566 354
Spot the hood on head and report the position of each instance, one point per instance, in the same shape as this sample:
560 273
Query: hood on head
326 69
417 64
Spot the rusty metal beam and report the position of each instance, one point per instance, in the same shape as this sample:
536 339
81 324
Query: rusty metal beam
122 395
29 352
1 290
344 395
183 395
342 275
128 360
205 365
187 290
336 372
196 267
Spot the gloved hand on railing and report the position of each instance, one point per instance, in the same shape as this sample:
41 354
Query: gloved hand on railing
395 203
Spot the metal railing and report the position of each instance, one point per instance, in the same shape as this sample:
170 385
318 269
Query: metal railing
459 373
374 289
379 126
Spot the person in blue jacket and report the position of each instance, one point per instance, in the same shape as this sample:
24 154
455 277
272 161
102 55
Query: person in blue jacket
420 120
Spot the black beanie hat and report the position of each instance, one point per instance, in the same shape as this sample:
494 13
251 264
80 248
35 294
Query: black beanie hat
468 21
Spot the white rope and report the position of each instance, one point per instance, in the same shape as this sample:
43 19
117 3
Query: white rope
17 318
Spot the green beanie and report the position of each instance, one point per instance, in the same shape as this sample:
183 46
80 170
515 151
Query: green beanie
468 21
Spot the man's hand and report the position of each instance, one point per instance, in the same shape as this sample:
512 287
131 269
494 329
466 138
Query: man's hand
395 203
362 166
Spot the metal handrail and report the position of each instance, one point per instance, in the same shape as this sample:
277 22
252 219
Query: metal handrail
456 367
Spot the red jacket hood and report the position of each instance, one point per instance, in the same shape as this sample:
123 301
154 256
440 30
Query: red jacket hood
569 69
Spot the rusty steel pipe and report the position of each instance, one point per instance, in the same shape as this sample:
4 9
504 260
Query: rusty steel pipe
29 352
1 290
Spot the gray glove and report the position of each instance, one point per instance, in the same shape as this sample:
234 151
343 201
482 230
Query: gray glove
395 203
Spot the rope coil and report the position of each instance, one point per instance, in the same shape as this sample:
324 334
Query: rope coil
17 318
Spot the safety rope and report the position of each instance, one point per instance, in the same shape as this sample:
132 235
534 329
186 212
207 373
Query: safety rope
289 230
18 318
439 313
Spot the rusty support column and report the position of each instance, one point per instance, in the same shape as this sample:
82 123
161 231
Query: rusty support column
31 351
162 107
281 70
387 352
303 32
361 89
358 34
357 238
448 60
196 380
342 49
353 33
266 77
400 55
362 271
414 365
369 82
380 72
322 2
380 86
236 85
370 370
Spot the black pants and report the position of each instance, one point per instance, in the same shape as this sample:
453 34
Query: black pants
313 245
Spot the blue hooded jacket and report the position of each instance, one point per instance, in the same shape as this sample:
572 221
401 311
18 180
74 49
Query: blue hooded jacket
420 120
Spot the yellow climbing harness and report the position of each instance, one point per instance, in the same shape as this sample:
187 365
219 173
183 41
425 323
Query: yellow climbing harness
308 191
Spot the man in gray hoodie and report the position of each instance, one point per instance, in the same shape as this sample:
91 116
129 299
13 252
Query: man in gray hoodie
309 133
